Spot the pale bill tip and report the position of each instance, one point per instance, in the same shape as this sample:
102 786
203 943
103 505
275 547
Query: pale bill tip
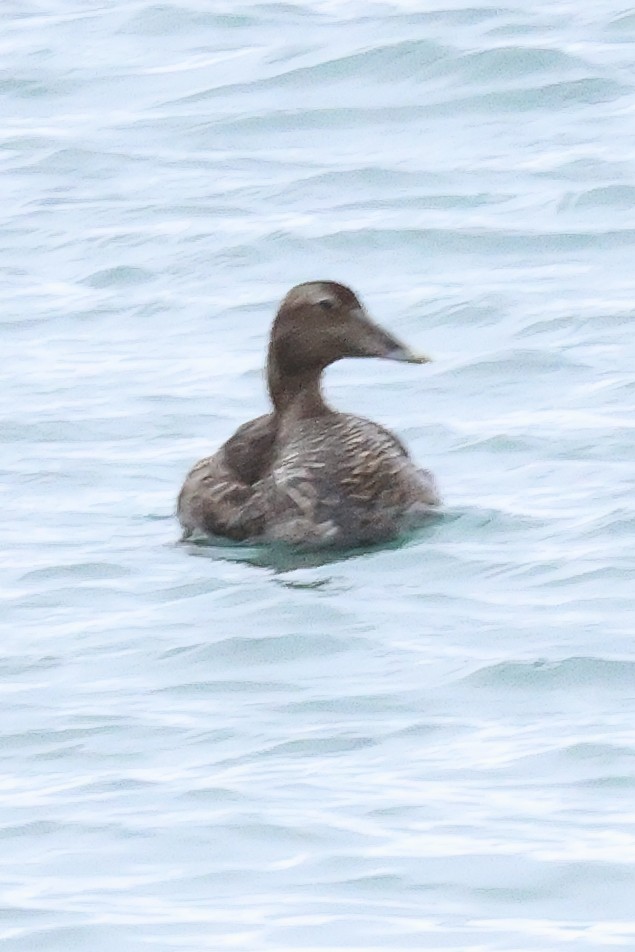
407 356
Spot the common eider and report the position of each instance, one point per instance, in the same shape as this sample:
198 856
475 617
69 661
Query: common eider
304 474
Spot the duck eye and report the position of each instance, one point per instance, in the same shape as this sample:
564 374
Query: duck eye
326 304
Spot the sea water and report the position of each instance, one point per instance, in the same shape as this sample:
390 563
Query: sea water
428 745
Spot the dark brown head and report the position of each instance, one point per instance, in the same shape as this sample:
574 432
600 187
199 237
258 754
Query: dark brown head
318 323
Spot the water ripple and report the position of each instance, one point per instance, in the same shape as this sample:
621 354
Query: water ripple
424 744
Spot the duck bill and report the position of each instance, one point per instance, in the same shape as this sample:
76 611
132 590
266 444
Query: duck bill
374 341
407 356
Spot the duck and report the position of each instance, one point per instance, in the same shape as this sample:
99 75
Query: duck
305 474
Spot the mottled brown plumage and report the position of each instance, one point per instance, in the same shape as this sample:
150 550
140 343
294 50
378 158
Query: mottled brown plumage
304 474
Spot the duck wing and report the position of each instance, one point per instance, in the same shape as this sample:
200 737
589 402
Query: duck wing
220 494
428 484
249 451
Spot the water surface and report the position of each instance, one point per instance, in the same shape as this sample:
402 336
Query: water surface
424 746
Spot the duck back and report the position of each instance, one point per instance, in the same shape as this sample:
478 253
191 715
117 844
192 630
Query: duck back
343 480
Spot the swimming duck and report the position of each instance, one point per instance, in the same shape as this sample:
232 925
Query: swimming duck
305 474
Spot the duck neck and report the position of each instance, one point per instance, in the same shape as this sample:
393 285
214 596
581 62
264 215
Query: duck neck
298 393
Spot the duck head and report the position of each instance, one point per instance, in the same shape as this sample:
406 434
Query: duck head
318 323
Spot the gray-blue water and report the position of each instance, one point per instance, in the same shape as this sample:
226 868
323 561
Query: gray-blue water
426 746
